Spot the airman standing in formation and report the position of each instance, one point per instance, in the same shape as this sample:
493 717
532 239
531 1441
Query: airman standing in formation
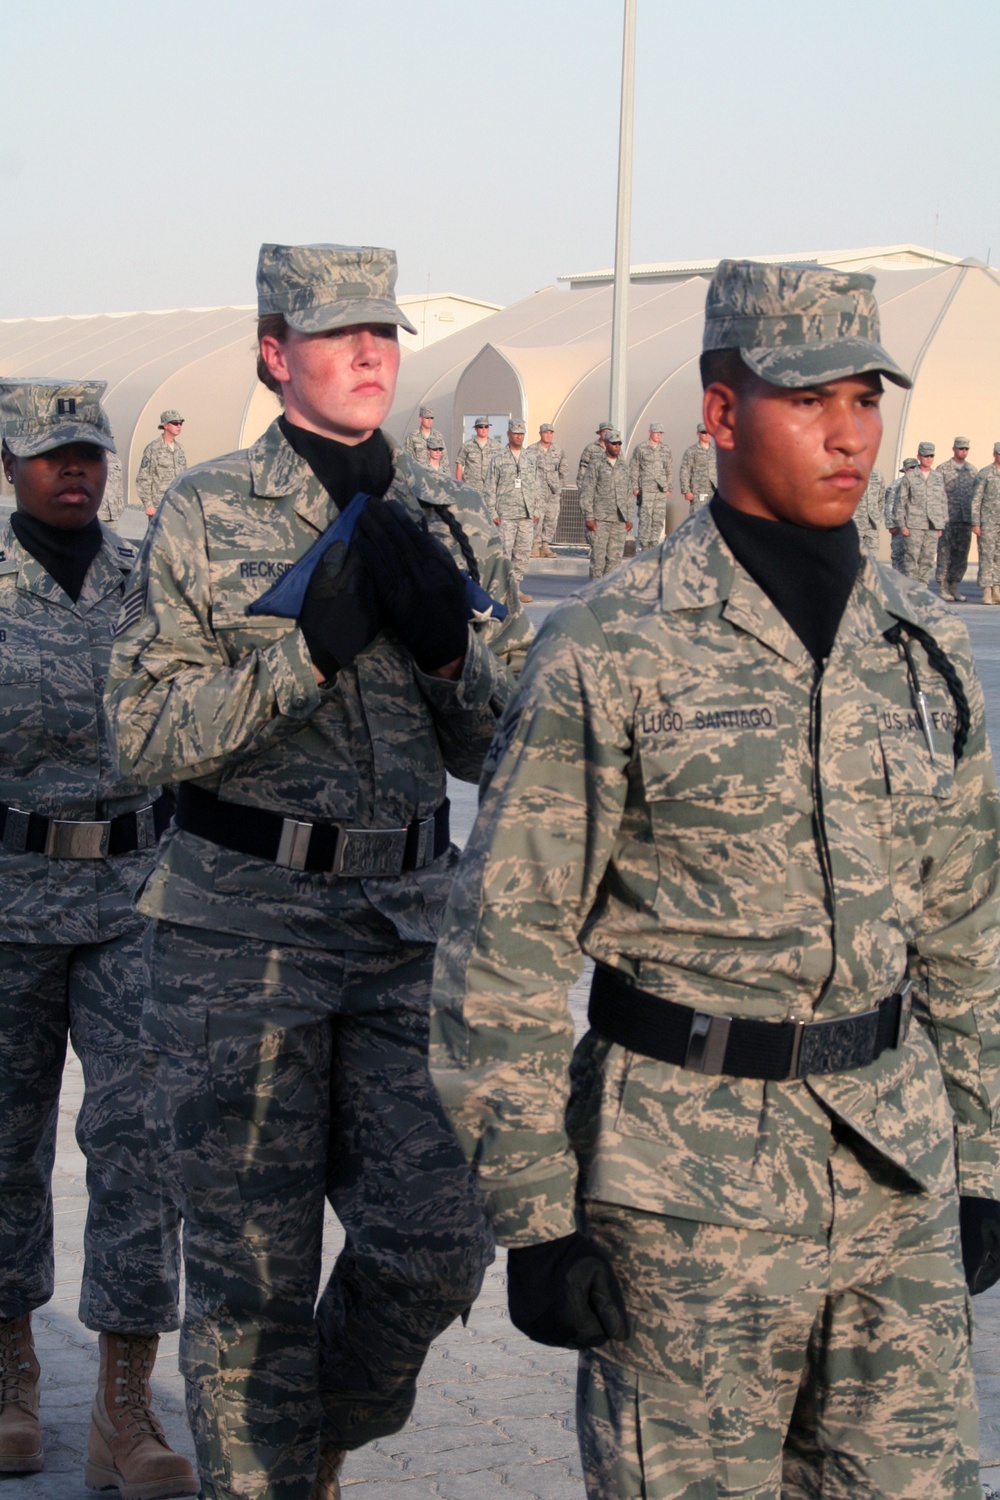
898 542
985 514
77 840
608 506
869 515
475 454
698 469
162 460
921 513
550 467
593 450
437 456
651 472
418 440
296 897
953 549
512 499
738 1196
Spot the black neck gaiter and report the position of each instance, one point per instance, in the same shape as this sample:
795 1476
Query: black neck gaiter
64 552
342 470
807 574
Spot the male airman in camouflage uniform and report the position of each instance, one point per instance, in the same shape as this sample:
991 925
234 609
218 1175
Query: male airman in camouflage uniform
868 516
953 549
985 515
162 460
608 506
475 454
747 1216
897 543
921 510
114 492
296 899
593 450
512 497
651 472
76 841
550 467
697 473
418 441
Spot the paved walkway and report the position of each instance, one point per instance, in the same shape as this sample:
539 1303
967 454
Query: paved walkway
494 1415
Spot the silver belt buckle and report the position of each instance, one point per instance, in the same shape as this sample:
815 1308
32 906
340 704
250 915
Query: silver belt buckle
77 840
15 831
425 842
706 1048
145 827
293 846
370 852
905 1012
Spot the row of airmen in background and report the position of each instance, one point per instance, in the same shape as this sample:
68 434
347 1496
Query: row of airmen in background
932 514
523 486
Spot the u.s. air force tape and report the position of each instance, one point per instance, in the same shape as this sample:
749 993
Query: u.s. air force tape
131 611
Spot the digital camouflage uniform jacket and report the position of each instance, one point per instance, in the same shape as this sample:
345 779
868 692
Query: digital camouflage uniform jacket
503 497
160 465
606 492
475 461
550 466
653 797
200 690
698 470
56 754
921 501
986 496
651 468
960 486
416 446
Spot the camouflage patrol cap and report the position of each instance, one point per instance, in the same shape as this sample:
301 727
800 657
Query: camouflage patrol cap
797 326
39 415
482 422
701 427
612 435
910 463
604 427
316 287
656 426
513 426
170 415
427 411
926 450
961 442
546 427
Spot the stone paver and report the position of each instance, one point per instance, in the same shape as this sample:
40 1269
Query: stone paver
494 1415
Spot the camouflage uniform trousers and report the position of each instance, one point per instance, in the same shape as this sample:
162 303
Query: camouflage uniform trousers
652 518
94 992
763 1365
548 519
920 553
897 550
518 538
953 552
281 1075
868 536
989 550
607 547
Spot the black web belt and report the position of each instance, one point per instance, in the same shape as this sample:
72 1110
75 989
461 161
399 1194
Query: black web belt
83 838
322 848
737 1045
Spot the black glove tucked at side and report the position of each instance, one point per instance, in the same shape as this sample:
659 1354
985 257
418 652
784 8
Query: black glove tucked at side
564 1292
418 586
979 1224
340 613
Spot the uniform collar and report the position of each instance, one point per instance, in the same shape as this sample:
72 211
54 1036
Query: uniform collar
703 573
104 575
276 470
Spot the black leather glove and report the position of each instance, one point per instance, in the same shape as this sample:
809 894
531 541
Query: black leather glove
979 1224
419 588
340 614
564 1292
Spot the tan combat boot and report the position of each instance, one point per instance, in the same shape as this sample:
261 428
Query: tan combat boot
546 550
126 1449
327 1486
20 1433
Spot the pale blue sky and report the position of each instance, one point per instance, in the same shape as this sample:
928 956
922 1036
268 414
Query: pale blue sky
146 149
